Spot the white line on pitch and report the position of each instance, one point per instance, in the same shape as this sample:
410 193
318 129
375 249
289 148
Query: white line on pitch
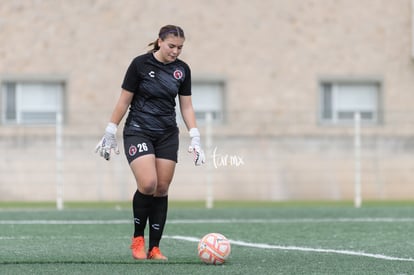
304 249
267 246
62 222
222 221
294 220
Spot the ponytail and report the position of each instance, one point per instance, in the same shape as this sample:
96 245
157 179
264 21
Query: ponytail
154 45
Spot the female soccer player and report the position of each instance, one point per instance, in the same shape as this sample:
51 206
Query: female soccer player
151 84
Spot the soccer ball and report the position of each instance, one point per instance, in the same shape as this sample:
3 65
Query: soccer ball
214 248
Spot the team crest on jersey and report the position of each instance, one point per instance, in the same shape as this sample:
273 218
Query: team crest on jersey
178 74
132 150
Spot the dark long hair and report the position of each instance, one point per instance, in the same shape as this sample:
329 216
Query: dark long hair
163 33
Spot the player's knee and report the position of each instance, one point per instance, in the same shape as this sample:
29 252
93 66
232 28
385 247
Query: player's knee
162 190
148 187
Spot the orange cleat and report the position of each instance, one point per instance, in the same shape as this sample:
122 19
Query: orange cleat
155 254
138 248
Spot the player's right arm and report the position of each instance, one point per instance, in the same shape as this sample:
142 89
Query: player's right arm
108 141
121 106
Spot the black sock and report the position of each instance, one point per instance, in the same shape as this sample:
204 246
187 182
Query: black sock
141 205
157 218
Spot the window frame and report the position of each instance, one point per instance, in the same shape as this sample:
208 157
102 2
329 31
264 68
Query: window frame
338 82
18 80
217 120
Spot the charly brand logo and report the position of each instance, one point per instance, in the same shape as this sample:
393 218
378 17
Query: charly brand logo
222 160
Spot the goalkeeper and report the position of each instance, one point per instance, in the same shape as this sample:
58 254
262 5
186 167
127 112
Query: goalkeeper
151 83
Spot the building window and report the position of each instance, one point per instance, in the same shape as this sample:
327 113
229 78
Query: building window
341 100
208 97
31 103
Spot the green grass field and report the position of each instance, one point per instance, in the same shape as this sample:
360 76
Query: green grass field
267 238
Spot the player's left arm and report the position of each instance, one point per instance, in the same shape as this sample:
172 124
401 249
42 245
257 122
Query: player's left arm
187 112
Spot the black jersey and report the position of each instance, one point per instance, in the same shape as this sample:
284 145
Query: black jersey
155 86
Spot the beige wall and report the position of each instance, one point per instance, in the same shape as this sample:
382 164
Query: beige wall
271 54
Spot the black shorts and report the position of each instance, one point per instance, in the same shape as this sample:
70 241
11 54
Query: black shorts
162 145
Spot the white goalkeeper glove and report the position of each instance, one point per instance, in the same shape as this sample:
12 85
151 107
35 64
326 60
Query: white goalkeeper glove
108 142
199 157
